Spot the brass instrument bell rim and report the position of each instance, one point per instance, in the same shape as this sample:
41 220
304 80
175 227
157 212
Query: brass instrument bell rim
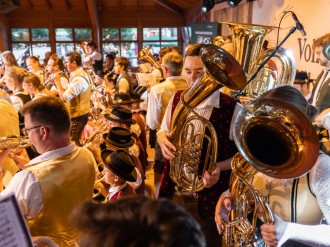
235 76
307 148
254 26
270 123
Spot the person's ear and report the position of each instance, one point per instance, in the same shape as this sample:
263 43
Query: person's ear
44 131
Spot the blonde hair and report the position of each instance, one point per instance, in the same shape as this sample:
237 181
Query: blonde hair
17 73
35 81
9 56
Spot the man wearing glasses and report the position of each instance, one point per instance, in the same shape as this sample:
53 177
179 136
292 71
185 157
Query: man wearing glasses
55 182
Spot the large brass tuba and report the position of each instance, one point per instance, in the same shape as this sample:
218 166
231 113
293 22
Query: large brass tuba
145 54
247 43
220 69
273 138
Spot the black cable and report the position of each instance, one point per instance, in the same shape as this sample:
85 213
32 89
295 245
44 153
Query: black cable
279 26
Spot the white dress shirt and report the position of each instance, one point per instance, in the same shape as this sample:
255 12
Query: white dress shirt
204 109
114 190
78 84
95 55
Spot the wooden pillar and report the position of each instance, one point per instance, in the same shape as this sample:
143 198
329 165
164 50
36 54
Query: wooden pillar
93 14
4 33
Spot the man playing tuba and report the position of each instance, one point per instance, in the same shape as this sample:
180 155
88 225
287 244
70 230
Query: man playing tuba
218 109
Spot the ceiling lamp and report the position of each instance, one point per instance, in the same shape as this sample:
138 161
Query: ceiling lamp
207 5
233 3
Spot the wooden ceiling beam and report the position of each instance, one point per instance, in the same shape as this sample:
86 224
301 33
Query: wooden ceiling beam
171 6
30 3
68 4
122 4
94 16
86 4
50 6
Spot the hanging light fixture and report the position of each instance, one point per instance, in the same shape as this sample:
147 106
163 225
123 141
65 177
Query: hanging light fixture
233 3
207 5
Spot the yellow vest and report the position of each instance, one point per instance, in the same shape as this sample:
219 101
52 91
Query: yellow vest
170 87
80 105
66 182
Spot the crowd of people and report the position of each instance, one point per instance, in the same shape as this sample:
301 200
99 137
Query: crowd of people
80 177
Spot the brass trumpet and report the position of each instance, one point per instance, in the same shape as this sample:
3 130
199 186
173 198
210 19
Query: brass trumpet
14 142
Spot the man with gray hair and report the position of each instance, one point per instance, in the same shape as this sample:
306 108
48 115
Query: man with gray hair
160 94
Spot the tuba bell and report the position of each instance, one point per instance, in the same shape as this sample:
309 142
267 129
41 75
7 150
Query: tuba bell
220 69
275 139
247 43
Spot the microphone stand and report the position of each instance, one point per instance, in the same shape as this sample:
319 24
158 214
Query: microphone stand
266 60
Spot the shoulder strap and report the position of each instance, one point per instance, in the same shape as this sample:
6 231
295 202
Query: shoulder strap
309 185
88 79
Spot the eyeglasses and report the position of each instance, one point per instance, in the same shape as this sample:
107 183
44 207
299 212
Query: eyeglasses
26 131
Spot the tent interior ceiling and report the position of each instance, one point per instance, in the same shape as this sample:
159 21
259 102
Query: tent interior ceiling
174 5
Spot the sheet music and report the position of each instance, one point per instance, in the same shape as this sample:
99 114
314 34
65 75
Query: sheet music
13 229
145 67
146 79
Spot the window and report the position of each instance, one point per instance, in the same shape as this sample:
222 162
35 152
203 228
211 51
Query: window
69 39
122 41
157 38
30 42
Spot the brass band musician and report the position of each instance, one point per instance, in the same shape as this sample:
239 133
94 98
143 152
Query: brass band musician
219 109
55 182
299 203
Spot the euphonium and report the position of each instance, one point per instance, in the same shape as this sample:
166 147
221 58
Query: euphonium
220 69
247 43
275 139
268 78
145 54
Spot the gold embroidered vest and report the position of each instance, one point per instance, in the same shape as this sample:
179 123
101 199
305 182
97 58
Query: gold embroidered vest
66 182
